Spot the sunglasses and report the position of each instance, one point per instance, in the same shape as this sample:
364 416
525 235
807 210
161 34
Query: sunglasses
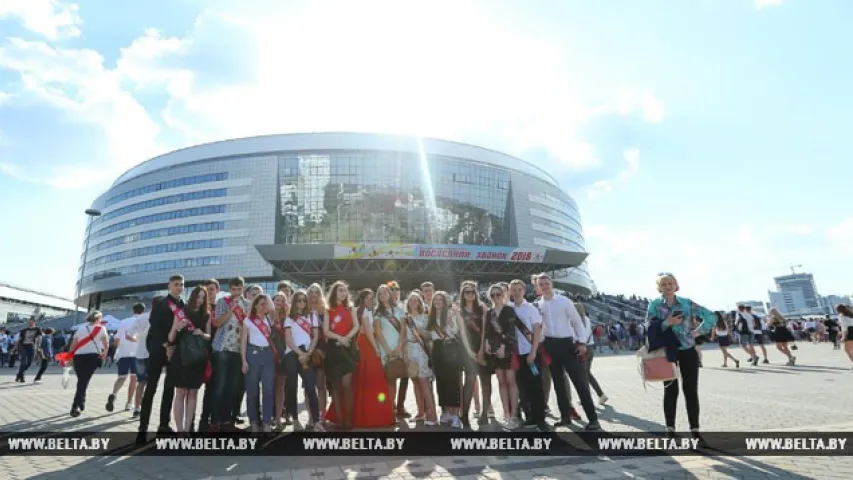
469 292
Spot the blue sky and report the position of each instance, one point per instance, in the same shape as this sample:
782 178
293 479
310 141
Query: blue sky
703 137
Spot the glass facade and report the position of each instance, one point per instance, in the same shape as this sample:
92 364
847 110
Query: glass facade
159 232
155 249
394 197
167 200
156 187
159 217
156 266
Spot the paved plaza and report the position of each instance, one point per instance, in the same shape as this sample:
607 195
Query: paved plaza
812 396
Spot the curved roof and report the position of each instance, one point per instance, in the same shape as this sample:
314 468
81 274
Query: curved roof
333 141
37 298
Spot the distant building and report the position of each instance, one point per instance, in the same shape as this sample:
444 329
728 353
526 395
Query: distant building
17 304
830 301
799 292
789 303
757 306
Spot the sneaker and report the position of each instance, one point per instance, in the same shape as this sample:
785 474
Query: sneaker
455 422
737 363
603 399
297 427
111 400
128 407
592 427
75 412
765 361
793 360
37 380
445 418
491 412
755 362
543 428
135 413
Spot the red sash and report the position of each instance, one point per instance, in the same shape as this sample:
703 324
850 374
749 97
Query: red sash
180 315
237 309
265 331
65 357
304 325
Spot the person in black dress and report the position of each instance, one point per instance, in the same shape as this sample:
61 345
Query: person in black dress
499 348
188 377
474 316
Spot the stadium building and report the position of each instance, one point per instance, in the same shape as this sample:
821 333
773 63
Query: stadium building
364 208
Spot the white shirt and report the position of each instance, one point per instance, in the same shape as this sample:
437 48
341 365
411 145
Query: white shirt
95 345
139 327
590 339
562 318
257 338
845 322
531 317
126 348
301 338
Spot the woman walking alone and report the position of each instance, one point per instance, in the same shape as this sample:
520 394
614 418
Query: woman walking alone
721 334
88 349
781 335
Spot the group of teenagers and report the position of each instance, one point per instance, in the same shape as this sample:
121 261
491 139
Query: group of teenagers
366 348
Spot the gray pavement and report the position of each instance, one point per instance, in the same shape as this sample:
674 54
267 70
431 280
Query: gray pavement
812 396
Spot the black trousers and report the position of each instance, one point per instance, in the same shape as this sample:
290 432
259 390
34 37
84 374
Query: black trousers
564 358
44 363
156 362
688 365
85 365
402 390
590 354
533 405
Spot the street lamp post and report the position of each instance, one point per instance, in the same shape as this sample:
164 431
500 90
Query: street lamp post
91 213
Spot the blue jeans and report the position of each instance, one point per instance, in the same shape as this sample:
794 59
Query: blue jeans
26 354
260 381
226 371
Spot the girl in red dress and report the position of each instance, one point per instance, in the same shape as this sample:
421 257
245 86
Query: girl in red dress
340 329
372 405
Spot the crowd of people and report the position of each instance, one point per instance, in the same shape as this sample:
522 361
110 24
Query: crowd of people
359 353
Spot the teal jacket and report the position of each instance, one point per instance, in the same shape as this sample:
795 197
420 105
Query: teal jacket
659 311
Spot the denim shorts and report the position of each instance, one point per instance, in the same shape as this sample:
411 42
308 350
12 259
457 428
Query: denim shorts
747 339
126 365
141 370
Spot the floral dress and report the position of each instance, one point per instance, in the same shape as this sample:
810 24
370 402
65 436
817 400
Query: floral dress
415 352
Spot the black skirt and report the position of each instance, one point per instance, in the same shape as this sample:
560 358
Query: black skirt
340 360
849 337
724 341
782 335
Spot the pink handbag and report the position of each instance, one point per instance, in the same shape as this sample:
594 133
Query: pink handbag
654 366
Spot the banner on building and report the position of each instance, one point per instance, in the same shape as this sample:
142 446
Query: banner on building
471 253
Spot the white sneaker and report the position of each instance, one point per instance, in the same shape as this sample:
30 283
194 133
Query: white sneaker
128 407
602 399
455 422
445 418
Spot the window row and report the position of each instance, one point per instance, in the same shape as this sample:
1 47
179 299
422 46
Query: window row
157 249
557 213
156 187
543 198
160 232
544 222
160 217
558 239
175 265
156 202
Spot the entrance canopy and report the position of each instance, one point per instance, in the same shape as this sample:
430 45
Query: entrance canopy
366 265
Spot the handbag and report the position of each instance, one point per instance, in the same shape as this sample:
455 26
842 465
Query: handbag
193 350
654 366
397 367
280 343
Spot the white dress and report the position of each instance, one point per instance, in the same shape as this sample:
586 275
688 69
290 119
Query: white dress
415 352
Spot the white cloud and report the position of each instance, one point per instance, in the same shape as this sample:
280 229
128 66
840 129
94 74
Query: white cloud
390 75
767 3
52 19
75 82
603 187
